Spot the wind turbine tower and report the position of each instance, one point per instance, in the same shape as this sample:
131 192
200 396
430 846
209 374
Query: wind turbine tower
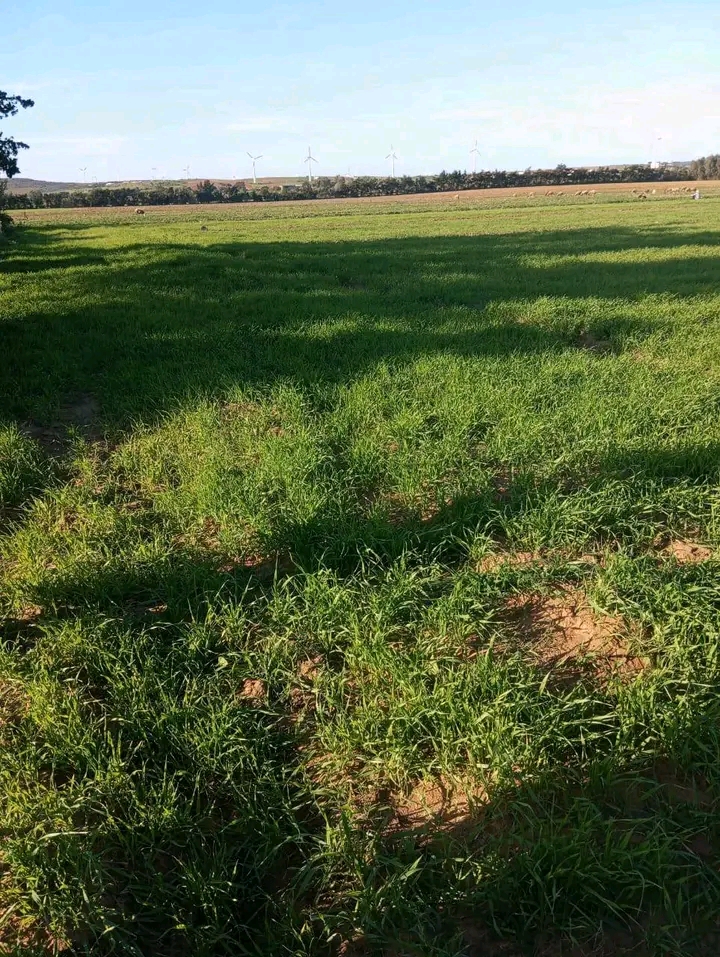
254 160
475 152
392 156
83 170
310 159
186 171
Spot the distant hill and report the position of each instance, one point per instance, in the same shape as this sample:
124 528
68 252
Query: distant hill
21 184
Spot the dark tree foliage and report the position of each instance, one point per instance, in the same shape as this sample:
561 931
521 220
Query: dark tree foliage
707 167
9 147
329 187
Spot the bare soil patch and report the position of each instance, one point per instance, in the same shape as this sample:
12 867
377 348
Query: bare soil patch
253 692
22 628
591 342
435 803
430 808
682 551
77 414
557 629
497 560
308 670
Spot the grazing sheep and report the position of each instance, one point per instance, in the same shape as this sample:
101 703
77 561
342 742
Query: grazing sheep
139 212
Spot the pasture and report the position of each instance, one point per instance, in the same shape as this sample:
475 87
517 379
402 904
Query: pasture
359 583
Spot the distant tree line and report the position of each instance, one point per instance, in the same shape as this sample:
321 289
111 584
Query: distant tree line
707 167
328 187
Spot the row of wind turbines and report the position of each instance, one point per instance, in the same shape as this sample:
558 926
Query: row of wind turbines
392 156
309 159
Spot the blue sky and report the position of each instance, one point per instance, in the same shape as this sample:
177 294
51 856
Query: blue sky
122 88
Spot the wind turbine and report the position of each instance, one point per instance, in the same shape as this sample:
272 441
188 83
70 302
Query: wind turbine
475 152
154 172
310 159
392 157
83 170
254 160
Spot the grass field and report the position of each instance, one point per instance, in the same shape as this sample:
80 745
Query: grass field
358 581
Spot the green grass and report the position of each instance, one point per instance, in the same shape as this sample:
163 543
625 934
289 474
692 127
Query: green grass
250 477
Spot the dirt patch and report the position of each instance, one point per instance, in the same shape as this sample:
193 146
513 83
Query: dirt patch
26 935
81 411
429 808
479 942
683 552
491 563
588 340
680 789
14 702
562 627
436 803
22 628
309 669
151 607
253 692
502 481
78 414
264 567
29 614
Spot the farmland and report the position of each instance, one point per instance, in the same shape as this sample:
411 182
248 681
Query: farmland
359 584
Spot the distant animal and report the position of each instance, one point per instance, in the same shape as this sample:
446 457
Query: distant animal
139 212
457 195
203 229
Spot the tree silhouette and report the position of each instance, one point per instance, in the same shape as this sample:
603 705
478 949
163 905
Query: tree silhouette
9 147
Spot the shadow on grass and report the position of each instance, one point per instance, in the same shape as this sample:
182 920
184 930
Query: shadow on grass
201 859
151 326
538 857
